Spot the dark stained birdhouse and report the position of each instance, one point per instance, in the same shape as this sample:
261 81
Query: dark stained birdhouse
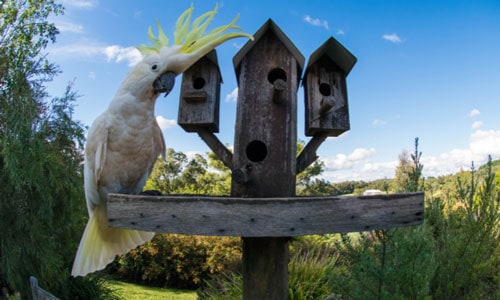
200 95
325 89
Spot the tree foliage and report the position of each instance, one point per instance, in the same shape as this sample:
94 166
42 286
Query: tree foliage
177 174
467 235
42 206
452 255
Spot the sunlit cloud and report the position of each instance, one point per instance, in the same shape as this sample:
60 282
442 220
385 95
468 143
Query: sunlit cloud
65 26
317 22
346 161
361 165
378 122
118 54
165 123
113 53
233 96
393 38
474 112
477 125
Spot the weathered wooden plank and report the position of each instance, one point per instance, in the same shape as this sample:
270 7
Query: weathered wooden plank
264 217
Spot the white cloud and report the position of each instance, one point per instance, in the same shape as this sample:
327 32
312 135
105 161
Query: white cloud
340 32
485 142
360 154
474 112
317 22
361 164
477 125
393 38
366 171
65 26
482 143
378 122
118 54
92 75
165 123
89 50
233 96
346 161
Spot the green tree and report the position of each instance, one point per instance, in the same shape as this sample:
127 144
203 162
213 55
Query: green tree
401 179
307 182
42 206
165 174
176 174
394 263
408 176
467 236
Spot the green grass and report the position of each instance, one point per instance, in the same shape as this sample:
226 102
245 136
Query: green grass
132 291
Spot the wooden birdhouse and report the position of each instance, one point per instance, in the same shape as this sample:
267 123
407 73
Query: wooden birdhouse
200 95
325 89
268 72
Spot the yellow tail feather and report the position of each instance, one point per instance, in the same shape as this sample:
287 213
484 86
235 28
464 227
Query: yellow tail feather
100 244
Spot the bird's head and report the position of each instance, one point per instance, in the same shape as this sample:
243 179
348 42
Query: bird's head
161 63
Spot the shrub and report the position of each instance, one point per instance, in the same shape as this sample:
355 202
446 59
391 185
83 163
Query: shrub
178 261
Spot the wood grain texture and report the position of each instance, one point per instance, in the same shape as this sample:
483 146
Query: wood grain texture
200 97
264 217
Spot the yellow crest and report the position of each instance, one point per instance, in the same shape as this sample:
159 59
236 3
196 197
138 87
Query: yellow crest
191 36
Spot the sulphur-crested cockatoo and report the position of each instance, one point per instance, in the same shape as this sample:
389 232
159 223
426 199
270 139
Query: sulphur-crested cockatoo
125 140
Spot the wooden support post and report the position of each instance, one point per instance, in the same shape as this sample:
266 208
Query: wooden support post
216 146
268 72
308 154
265 268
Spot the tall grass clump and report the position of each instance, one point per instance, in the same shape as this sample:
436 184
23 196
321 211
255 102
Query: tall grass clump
309 274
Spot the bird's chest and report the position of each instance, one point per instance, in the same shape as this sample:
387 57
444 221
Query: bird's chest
132 137
130 149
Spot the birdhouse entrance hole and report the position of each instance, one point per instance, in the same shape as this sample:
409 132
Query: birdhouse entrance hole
275 74
256 151
198 83
325 89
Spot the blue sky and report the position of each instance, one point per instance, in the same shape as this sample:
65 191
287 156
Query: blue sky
427 69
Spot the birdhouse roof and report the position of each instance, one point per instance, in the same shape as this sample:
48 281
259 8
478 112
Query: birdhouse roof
212 57
269 26
336 52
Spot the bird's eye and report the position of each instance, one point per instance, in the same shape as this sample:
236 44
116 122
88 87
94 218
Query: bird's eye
154 67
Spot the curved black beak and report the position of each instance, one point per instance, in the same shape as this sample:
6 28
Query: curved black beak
164 83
